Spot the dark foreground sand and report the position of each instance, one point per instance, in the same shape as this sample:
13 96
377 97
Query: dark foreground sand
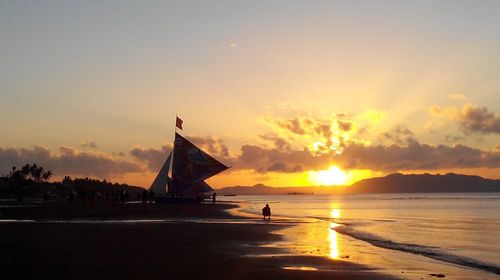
163 250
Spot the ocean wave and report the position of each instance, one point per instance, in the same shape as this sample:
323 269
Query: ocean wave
378 198
351 221
445 198
428 251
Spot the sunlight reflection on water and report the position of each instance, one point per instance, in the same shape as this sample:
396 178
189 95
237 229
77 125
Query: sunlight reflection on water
332 234
334 241
307 268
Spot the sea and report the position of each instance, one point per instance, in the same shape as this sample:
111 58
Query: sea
412 236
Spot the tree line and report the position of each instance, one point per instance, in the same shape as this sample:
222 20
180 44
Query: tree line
33 180
34 172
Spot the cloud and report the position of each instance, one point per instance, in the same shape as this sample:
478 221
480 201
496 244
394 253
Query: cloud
343 116
313 125
279 142
388 158
471 118
294 125
478 119
263 160
453 138
154 158
324 128
460 97
214 146
89 144
69 161
398 135
329 133
415 156
281 166
344 125
289 148
232 45
279 157
118 154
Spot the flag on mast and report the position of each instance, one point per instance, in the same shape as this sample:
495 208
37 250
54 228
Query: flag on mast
178 122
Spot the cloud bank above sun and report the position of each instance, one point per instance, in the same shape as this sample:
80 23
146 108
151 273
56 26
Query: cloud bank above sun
299 148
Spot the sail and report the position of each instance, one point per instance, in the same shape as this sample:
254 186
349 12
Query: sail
191 164
160 183
200 188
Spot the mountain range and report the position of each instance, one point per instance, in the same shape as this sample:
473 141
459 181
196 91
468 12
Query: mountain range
393 183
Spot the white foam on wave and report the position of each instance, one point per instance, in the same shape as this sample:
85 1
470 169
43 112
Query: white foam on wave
428 251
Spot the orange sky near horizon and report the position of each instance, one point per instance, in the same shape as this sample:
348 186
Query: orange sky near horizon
288 93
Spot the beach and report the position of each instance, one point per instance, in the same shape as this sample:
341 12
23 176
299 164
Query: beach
148 241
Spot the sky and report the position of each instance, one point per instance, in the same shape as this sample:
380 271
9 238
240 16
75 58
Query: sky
288 93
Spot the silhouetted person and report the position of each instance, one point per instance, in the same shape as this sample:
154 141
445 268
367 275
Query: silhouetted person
82 196
213 197
121 197
71 196
266 212
91 196
116 197
151 196
144 196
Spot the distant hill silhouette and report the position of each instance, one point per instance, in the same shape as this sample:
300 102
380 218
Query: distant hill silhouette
414 183
393 183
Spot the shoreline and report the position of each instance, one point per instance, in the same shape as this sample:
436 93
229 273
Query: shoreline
323 233
177 250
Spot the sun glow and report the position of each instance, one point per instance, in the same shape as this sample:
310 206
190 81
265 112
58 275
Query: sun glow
335 213
330 177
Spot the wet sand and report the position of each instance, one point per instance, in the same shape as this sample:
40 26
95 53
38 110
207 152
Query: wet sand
151 250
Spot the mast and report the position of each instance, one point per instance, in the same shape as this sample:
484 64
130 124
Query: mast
173 158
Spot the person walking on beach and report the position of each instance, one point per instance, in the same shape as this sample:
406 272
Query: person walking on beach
266 212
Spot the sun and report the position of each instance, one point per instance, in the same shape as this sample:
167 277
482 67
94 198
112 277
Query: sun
330 177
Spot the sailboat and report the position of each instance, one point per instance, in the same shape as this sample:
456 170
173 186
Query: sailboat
189 167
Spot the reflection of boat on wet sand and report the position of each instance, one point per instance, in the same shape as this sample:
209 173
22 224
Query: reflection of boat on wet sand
189 167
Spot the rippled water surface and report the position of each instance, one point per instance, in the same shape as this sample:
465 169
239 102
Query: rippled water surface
411 234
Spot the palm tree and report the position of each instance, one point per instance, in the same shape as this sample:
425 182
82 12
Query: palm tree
36 172
26 170
46 175
12 171
67 180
